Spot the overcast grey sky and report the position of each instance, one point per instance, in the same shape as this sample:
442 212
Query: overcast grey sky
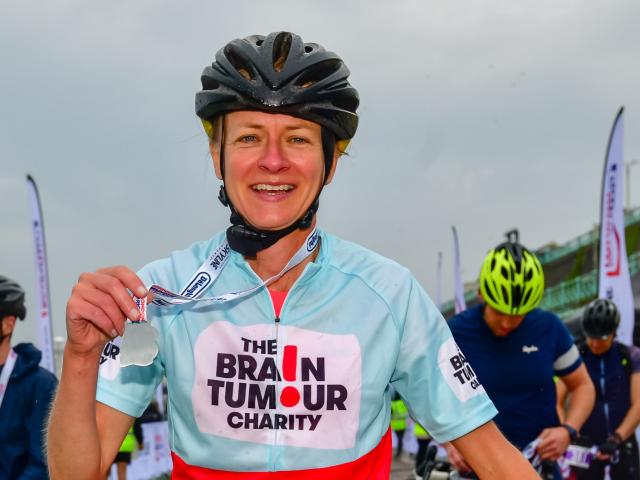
483 114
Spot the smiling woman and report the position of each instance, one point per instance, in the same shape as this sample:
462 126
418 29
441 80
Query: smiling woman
288 375
274 167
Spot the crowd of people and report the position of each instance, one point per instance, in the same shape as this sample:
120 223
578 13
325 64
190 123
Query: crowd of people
290 353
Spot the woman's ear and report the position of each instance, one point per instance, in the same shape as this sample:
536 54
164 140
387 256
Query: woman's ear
337 153
214 149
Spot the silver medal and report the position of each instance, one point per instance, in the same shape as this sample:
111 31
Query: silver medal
139 344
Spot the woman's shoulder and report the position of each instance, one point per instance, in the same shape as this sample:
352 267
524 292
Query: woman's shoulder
353 258
377 273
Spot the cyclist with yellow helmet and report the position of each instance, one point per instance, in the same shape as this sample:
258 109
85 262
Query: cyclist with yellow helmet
516 349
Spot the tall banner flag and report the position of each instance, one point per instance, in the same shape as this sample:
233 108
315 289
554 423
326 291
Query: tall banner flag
439 282
45 336
460 304
614 281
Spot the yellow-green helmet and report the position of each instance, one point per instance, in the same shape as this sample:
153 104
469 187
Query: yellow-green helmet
511 279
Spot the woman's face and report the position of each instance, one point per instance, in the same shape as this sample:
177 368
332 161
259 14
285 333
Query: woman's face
599 346
273 166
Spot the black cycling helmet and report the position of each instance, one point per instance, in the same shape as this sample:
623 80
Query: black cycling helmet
600 318
280 73
11 299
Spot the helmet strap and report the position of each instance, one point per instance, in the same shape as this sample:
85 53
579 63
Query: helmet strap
248 240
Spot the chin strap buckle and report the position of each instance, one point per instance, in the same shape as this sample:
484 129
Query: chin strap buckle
243 232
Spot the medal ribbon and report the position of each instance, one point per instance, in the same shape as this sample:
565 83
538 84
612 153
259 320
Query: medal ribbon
211 269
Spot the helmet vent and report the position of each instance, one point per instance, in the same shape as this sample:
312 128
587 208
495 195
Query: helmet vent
488 291
505 273
318 72
526 296
281 48
516 293
308 49
259 42
528 275
518 265
505 295
240 63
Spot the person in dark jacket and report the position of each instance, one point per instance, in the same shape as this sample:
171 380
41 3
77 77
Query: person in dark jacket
26 391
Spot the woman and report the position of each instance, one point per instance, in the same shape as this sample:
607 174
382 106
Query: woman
288 380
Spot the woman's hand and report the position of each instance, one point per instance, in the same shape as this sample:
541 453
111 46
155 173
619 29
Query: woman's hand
99 304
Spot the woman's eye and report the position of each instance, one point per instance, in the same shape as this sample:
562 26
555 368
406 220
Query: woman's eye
248 138
298 140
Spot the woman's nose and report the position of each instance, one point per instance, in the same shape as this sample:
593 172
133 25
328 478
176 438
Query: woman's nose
274 158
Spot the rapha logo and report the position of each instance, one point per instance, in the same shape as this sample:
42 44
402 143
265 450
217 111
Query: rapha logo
304 384
529 348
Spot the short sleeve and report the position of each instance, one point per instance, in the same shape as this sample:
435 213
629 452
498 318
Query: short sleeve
128 389
433 376
634 353
566 355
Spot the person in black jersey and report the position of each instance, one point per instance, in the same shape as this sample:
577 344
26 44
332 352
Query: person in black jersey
615 371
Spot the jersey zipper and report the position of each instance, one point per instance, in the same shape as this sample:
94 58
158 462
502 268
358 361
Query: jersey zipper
276 320
604 395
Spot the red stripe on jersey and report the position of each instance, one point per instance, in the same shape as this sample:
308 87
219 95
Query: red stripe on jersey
278 300
375 465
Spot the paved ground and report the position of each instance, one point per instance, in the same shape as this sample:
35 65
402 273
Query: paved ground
402 469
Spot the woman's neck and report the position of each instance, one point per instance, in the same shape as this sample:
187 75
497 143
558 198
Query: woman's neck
271 261
5 346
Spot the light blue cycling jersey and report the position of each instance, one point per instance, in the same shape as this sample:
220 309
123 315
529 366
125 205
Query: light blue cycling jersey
249 392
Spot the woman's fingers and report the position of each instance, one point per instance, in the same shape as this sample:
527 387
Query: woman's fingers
82 311
102 299
117 282
105 303
128 278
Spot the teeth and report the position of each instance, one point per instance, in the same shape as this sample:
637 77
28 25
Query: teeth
272 188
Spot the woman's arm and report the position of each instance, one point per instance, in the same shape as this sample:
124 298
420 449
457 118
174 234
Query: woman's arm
631 420
491 456
83 435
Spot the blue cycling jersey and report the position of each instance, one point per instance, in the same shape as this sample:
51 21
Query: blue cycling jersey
517 370
249 392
